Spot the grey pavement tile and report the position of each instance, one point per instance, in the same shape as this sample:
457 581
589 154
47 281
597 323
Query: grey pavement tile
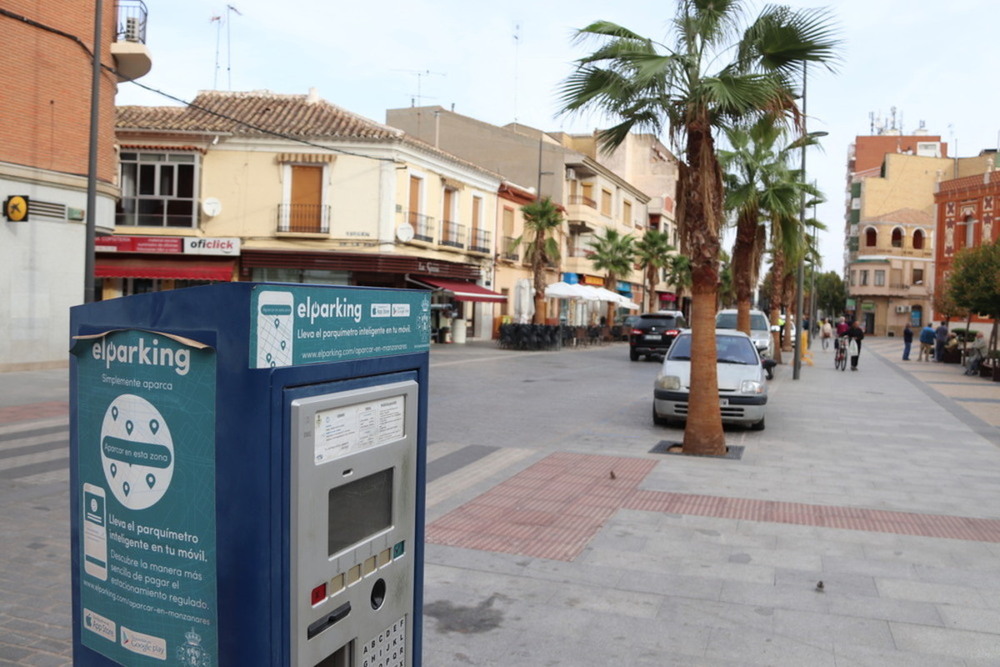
922 591
874 568
905 611
835 584
769 649
969 618
771 596
865 656
947 642
810 627
670 585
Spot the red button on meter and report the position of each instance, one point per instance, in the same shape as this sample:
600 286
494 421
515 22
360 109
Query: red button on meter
319 594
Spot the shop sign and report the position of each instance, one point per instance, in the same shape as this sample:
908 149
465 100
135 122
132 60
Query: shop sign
146 471
291 326
593 280
169 245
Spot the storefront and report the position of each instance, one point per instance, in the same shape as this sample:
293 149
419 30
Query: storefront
448 305
126 265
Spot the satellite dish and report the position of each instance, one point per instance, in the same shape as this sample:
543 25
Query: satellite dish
211 207
405 232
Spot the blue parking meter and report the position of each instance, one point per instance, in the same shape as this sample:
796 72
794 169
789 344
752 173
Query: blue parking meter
247 465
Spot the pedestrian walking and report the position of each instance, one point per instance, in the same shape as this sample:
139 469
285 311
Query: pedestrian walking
856 335
826 333
940 339
907 342
926 343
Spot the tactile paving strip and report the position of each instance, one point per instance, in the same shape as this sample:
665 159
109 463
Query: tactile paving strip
555 507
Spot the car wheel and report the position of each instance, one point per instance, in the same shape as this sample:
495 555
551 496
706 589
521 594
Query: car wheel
658 420
633 355
757 426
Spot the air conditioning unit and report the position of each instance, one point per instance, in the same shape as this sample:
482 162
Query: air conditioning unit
902 309
570 174
132 29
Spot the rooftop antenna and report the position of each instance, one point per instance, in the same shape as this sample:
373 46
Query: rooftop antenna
417 99
217 20
517 51
229 42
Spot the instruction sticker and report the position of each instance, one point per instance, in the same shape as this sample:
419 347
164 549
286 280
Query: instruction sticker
146 433
352 428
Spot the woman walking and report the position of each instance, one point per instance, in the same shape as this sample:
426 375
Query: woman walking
855 335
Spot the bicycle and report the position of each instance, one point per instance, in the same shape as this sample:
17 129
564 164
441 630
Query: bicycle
840 353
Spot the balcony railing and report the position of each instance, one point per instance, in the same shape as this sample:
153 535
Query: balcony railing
452 234
131 21
510 247
580 200
304 218
481 241
423 226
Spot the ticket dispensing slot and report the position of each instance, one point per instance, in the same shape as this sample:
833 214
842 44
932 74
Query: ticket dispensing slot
353 470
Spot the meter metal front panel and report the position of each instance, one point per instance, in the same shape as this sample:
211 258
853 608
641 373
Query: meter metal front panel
353 477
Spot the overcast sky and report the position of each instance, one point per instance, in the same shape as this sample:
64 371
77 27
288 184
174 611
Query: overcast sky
503 61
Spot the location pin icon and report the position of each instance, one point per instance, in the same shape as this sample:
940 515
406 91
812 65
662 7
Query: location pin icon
114 469
114 412
269 356
154 425
150 480
277 323
126 487
283 344
129 426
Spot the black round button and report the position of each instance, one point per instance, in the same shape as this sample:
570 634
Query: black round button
378 593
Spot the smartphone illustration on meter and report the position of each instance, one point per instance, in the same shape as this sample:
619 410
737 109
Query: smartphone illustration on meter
274 329
95 532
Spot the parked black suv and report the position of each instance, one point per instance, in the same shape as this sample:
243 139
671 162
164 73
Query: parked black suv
653 333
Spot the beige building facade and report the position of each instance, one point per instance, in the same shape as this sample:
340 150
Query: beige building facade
291 188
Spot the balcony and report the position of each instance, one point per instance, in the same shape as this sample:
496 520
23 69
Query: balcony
452 234
510 249
132 58
303 219
481 241
423 226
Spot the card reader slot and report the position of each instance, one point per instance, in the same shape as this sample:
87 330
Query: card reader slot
322 624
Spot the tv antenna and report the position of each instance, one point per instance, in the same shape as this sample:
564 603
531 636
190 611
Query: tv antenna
420 74
218 21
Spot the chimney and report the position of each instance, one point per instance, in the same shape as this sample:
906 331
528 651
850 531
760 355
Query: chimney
312 97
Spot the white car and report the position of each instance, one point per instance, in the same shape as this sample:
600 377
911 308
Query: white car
760 329
742 381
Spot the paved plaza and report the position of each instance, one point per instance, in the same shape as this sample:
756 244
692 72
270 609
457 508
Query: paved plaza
559 534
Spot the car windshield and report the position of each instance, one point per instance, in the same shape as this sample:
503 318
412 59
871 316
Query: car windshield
758 322
729 350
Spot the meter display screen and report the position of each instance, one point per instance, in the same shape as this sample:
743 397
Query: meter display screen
358 510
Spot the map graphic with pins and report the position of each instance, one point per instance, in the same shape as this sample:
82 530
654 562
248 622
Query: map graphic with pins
137 452
274 329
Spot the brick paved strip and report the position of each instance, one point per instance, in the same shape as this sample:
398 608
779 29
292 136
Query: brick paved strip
555 507
19 413
550 510
824 516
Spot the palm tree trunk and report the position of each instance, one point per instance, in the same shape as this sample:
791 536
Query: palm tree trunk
703 432
744 270
777 270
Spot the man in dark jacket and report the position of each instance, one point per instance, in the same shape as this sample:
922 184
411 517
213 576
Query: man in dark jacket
940 338
855 335
907 342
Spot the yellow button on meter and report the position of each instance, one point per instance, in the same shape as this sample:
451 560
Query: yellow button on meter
15 208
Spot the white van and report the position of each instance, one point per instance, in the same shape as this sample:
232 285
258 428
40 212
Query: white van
760 329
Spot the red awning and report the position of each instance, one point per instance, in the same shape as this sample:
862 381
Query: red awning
464 291
121 267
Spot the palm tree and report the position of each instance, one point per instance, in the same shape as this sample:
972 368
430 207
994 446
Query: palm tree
678 274
757 185
615 254
653 252
648 85
541 218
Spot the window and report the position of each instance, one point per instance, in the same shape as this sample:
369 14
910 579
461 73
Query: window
970 226
918 276
864 277
588 194
606 202
854 278
879 278
897 238
918 239
627 213
158 190
871 237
